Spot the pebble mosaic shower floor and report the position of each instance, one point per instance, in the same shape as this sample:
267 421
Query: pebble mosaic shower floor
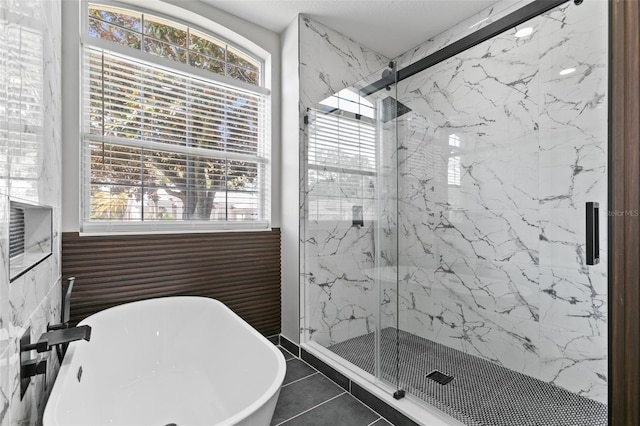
481 393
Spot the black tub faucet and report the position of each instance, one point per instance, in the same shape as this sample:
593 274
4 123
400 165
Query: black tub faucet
30 367
58 337
67 288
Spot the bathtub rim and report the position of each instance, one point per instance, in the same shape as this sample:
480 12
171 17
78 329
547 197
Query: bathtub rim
65 373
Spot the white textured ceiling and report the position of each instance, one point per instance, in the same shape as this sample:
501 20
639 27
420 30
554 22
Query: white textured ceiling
390 27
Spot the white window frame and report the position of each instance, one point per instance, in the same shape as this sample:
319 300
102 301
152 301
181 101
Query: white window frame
88 227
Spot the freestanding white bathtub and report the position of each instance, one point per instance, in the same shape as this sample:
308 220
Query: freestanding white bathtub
174 360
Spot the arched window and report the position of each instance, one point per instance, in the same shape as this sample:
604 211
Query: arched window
174 126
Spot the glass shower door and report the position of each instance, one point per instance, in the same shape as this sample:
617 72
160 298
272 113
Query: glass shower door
501 150
384 91
349 227
339 226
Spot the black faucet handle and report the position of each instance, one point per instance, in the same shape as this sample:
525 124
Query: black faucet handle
29 369
33 367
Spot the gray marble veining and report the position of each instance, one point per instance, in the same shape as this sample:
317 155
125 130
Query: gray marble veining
497 159
330 61
481 205
462 29
338 298
494 164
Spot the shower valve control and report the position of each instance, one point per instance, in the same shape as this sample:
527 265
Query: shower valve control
357 218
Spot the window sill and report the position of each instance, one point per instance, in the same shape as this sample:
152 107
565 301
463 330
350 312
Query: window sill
121 228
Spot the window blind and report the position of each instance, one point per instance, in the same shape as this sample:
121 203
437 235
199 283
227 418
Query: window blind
21 111
16 232
164 146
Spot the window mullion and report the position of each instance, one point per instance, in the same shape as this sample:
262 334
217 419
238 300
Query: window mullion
142 32
188 45
176 149
226 60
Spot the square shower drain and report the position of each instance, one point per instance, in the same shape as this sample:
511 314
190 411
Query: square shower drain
439 377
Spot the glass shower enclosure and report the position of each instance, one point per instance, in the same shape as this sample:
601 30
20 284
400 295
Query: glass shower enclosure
450 224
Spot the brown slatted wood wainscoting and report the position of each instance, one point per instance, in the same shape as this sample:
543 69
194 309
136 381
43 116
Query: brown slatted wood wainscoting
624 205
241 269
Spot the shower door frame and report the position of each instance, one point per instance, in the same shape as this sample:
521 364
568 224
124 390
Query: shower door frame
513 19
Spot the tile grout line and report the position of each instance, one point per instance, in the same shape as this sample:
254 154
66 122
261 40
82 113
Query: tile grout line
376 420
306 411
287 351
349 393
346 391
306 362
301 378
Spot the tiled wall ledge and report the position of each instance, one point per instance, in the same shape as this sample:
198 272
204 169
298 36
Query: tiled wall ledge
33 227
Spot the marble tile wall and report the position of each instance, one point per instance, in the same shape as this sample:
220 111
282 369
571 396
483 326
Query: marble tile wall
497 159
30 140
429 158
336 291
330 61
468 26
492 258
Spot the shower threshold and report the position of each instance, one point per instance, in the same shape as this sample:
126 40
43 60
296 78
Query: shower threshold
482 394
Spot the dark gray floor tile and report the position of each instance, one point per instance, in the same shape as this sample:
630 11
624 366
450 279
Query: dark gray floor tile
297 369
287 355
382 422
303 395
344 410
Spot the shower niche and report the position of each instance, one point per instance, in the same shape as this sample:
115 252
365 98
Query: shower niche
30 236
469 285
